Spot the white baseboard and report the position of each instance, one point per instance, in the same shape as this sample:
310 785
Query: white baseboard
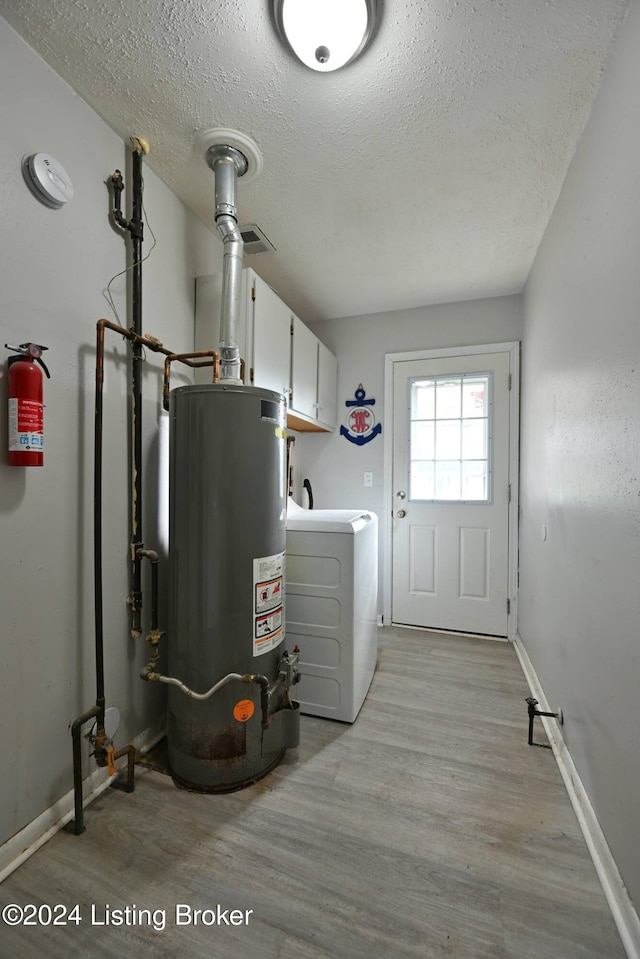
451 632
35 834
622 909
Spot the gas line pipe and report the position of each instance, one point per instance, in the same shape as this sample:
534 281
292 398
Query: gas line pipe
151 675
103 747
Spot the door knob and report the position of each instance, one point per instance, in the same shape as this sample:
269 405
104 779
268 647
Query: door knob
401 494
401 514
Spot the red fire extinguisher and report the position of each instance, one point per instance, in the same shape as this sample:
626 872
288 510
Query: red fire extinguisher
26 409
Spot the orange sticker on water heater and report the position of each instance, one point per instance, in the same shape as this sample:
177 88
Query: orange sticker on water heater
243 710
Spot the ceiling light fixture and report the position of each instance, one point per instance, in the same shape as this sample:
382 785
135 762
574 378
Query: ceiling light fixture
326 34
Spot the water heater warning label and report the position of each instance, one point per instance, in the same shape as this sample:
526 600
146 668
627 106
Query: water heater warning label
268 599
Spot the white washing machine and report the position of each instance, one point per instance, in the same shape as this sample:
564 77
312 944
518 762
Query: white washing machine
331 607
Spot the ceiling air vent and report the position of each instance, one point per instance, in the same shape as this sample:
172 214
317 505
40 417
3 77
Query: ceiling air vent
255 241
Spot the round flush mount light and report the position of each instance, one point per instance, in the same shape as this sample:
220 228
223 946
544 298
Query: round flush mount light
326 34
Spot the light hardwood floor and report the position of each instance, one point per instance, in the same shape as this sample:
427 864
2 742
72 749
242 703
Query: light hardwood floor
427 829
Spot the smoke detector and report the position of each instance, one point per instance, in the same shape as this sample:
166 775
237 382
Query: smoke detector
255 240
47 179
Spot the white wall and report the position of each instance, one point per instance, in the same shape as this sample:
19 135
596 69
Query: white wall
55 264
335 466
579 590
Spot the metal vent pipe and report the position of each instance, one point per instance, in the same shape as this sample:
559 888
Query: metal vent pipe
228 164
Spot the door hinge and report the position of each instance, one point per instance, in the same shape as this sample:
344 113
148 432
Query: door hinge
291 328
509 493
251 375
253 297
510 380
508 606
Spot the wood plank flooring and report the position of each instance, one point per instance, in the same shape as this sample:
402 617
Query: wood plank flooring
428 829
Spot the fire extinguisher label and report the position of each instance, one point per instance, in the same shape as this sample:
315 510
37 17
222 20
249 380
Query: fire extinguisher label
26 426
268 603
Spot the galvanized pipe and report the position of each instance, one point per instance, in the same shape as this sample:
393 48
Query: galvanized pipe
154 559
231 299
228 164
136 231
78 820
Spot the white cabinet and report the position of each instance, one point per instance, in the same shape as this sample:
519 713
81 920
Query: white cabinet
314 373
279 351
304 370
327 410
270 326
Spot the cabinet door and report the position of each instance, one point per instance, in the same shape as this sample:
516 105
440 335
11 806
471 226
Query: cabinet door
304 370
327 387
271 339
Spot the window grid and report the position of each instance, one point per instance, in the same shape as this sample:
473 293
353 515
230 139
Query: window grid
450 438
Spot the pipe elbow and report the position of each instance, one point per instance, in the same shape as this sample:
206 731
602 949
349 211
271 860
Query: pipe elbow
257 678
149 674
228 229
149 554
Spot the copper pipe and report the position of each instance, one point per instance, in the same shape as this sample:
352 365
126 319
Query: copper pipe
185 358
151 344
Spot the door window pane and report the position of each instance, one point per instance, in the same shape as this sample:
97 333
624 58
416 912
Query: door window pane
448 398
422 480
474 439
474 397
423 400
474 480
450 429
422 440
447 479
447 439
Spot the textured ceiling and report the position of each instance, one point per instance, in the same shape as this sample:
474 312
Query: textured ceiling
425 172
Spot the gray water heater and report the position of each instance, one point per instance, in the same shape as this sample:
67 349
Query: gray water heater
227 508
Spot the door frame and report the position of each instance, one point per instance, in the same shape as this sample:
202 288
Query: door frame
386 526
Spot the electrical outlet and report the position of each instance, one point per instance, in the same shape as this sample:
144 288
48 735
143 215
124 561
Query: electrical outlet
368 479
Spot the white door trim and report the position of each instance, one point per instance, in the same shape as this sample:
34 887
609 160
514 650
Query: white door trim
390 359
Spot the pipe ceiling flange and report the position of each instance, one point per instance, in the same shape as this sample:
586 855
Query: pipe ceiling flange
226 152
221 137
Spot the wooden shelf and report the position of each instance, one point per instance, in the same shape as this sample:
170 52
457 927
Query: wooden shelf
304 426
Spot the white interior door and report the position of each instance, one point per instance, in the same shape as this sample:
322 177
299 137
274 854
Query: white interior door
450 538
